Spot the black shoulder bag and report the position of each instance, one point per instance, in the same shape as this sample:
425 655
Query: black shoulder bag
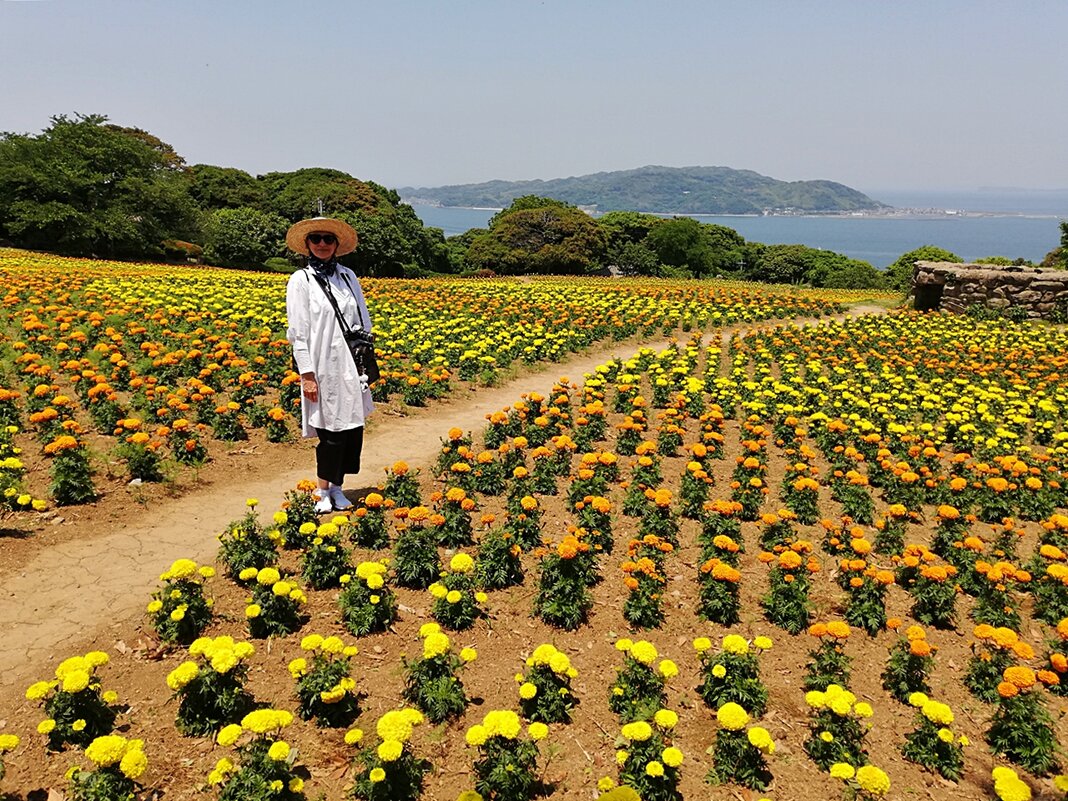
361 342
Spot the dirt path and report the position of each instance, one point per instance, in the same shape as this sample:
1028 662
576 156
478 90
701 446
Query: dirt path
74 589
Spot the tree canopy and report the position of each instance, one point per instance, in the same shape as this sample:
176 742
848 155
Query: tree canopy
82 187
899 274
539 237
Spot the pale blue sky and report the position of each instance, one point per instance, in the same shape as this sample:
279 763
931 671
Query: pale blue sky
876 95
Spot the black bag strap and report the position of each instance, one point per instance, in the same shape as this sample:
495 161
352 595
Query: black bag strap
325 285
345 328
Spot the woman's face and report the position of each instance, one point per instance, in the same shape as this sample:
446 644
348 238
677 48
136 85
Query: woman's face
325 247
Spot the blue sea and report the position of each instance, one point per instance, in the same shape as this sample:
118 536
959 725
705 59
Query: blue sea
1012 223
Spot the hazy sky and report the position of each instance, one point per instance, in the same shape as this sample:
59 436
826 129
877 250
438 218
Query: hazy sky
876 95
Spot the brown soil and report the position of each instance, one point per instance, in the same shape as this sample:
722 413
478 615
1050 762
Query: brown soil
83 583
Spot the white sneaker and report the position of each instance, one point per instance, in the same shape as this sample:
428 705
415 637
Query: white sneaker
338 497
324 504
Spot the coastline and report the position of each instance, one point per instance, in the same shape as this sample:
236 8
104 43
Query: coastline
892 213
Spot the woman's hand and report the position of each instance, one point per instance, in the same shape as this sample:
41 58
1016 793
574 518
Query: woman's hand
309 386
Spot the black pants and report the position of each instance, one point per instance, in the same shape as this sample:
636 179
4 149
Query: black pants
338 454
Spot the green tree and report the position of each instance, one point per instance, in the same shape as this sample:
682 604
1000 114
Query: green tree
899 274
382 249
554 238
243 237
214 188
634 258
835 271
783 264
1057 259
680 242
84 187
296 195
624 227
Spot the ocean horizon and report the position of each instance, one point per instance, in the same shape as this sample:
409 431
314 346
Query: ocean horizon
973 224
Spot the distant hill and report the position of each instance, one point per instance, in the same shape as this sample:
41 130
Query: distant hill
672 190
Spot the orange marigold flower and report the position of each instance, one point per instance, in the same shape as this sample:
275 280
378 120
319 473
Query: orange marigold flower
1007 689
983 631
919 648
1020 675
818 630
1023 650
838 629
1005 637
1049 678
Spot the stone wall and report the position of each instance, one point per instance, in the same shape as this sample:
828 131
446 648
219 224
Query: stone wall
954 287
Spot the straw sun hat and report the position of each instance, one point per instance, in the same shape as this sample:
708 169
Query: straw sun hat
298 233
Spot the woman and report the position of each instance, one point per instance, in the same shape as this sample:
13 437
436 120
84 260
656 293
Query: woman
335 398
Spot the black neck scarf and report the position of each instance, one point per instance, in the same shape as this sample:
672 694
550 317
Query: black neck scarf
324 268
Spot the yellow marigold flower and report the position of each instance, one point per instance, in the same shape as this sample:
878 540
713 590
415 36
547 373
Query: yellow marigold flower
827 737
719 671
376 775
468 654
278 751
873 780
668 669
353 736
182 675
537 731
154 606
527 691
945 735
476 735
763 643
333 645
390 750
268 577
435 644
106 750
842 770
815 699
760 738
248 574
671 756
75 681
78 725
453 596
429 628
46 726
735 644
438 590
38 690
702 644
559 662
253 611
605 783
461 563
639 731
917 699
666 718
8 742
625 644
863 710
298 667
621 757
133 763
731 716
296 784
654 769
228 735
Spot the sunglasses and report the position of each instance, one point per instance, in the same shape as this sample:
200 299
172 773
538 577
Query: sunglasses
325 239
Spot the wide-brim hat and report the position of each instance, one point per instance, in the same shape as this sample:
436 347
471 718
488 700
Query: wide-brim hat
297 234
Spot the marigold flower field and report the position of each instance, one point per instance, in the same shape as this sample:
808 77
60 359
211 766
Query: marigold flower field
804 560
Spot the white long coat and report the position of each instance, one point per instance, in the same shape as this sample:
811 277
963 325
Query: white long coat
319 347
